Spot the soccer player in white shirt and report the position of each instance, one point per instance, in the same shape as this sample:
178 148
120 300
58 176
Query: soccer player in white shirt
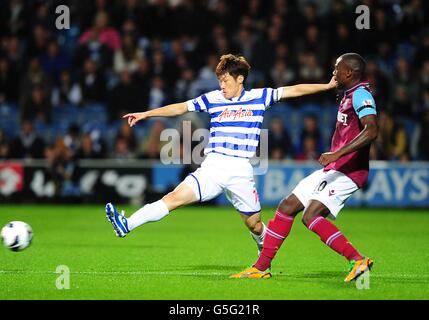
236 121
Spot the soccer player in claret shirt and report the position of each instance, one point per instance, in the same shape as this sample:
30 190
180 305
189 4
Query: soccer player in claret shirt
236 121
324 192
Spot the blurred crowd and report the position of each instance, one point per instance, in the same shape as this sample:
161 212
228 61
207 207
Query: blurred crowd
62 92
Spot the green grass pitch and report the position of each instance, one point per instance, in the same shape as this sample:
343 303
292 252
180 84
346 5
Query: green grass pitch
191 253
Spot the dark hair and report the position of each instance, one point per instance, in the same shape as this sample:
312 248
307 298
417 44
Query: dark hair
356 63
235 65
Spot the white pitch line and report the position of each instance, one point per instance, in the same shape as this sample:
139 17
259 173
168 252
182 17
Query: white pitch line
168 273
178 273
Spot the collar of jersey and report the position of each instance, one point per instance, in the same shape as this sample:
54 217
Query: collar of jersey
362 83
239 98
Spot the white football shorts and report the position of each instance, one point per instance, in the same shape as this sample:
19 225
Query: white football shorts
234 176
332 188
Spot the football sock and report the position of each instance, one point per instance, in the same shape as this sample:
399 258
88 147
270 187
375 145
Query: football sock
149 213
259 238
331 236
277 230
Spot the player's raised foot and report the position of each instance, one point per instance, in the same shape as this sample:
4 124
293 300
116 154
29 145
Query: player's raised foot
357 268
118 221
252 273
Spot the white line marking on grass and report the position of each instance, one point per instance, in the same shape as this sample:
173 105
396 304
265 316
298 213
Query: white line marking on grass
161 273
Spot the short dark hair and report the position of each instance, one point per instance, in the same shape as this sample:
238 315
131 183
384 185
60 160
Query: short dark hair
235 65
356 63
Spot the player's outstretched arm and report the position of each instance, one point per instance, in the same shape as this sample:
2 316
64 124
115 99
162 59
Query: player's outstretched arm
170 110
305 89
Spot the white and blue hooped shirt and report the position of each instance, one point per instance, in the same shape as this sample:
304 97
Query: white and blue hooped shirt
236 123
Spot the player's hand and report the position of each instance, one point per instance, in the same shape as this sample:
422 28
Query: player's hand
333 83
327 158
133 118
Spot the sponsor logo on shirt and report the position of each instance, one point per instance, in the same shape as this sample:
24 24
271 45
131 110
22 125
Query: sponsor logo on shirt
367 102
342 117
237 114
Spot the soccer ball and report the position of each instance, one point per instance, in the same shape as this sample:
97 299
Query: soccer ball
16 235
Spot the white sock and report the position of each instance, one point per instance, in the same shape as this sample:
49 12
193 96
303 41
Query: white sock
259 239
151 212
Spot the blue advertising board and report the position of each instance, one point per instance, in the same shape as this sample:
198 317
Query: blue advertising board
389 184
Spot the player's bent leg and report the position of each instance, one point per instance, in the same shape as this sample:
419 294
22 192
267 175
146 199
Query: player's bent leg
290 206
256 227
181 196
277 230
314 209
253 222
315 219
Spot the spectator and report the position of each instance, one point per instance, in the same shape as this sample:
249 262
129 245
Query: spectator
279 144
122 149
314 42
38 107
150 148
157 94
94 50
343 41
424 75
35 77
207 80
54 61
127 58
86 149
102 32
392 143
311 130
186 86
281 75
424 103
61 168
125 97
130 10
424 136
92 83
401 105
9 82
422 52
27 145
128 135
309 150
14 50
310 71
67 91
245 42
39 41
162 68
15 18
378 81
4 146
72 139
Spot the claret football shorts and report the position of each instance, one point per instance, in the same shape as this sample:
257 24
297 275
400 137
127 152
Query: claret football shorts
332 188
233 176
